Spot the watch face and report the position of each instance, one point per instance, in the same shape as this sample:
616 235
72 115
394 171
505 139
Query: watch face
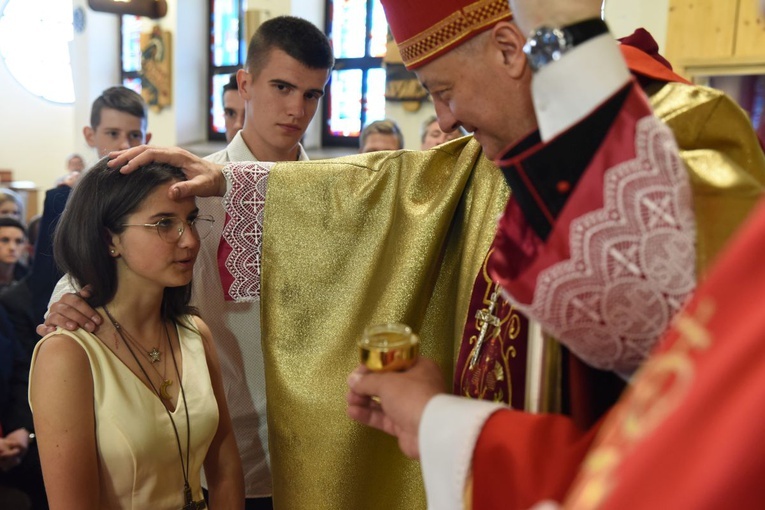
545 45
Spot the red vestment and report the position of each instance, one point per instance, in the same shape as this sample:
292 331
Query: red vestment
520 460
688 434
535 457
499 372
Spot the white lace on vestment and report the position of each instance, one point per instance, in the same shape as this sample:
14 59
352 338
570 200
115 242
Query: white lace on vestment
245 202
632 262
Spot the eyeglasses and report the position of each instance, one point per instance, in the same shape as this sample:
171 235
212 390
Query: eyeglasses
171 229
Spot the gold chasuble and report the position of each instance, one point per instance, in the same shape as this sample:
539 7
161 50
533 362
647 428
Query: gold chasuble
403 236
387 236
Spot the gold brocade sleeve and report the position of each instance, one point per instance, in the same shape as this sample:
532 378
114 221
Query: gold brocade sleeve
387 236
723 157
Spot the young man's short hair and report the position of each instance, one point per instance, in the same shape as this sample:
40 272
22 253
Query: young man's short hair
232 84
121 99
296 37
383 127
7 221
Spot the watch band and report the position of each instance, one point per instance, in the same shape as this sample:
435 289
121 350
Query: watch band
582 31
547 44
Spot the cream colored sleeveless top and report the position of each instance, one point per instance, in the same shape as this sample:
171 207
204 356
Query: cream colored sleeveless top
139 466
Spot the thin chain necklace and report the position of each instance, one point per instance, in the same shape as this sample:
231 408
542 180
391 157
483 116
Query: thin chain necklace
154 355
189 503
166 382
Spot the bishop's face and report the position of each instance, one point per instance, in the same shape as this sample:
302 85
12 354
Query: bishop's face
477 90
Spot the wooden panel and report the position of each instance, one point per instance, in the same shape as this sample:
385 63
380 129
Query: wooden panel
735 66
701 29
750 35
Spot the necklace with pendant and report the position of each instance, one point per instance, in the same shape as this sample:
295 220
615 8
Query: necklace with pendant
188 498
166 382
154 355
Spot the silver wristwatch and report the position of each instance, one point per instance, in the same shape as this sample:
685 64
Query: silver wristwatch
547 44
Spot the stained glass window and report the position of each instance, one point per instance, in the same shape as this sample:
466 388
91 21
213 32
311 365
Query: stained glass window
228 51
345 102
356 92
216 99
130 50
225 34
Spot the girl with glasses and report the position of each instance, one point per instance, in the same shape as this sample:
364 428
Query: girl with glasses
127 416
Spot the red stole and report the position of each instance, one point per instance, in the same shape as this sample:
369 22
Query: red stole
499 373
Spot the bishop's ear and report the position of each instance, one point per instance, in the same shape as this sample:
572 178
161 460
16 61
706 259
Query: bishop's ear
509 40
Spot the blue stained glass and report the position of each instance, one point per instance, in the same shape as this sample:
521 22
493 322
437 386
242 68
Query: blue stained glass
225 33
218 81
348 28
345 107
131 43
379 34
132 84
375 99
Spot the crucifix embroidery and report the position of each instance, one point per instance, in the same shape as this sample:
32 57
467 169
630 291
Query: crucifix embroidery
486 319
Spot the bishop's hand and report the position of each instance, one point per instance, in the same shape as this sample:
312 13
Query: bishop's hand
395 401
205 178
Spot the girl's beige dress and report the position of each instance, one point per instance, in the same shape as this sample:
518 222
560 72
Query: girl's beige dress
139 465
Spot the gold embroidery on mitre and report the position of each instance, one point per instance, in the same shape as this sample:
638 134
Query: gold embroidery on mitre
453 29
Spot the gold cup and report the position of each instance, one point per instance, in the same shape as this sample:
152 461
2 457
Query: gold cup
388 347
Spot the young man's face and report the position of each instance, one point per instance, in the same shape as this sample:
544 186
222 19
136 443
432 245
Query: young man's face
280 102
434 136
380 142
117 131
480 91
12 243
233 113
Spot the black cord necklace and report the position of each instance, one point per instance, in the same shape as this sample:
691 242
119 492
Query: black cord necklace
189 503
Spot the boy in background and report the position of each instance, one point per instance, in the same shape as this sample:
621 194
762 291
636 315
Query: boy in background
233 108
381 135
118 121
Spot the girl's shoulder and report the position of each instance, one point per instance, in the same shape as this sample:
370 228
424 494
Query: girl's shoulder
197 327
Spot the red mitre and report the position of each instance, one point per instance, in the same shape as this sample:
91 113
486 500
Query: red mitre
426 29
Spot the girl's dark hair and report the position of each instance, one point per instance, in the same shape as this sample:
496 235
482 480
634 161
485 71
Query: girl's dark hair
98 207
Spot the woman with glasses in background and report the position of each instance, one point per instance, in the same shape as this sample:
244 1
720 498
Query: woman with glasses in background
127 416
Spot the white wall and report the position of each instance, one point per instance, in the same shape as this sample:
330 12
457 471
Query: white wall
624 16
35 135
190 72
95 67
